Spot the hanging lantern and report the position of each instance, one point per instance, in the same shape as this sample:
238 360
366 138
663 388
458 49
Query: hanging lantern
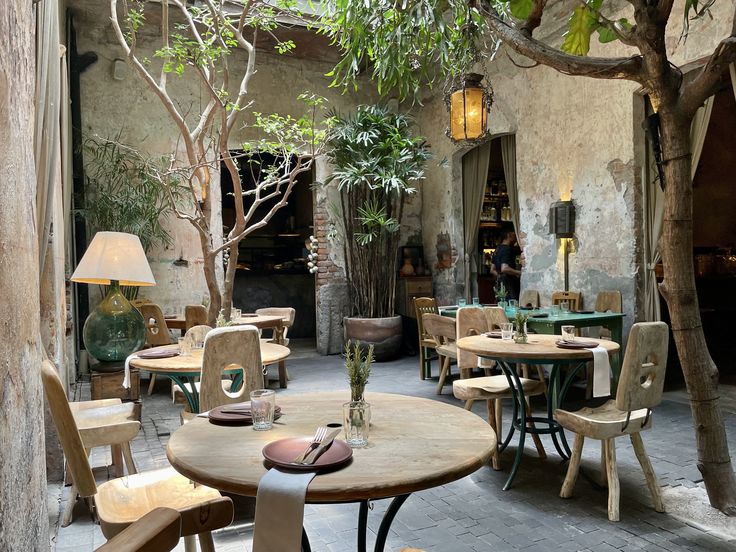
469 102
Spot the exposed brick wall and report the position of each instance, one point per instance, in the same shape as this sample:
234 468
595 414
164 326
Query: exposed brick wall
328 272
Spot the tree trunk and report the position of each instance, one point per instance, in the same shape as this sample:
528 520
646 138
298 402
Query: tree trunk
678 289
23 516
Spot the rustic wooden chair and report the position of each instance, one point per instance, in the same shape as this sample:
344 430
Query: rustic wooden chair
287 314
193 335
529 298
573 298
120 502
492 389
225 348
157 332
157 531
639 390
442 330
424 305
194 315
608 301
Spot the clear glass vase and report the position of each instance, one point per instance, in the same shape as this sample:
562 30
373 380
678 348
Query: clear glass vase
357 422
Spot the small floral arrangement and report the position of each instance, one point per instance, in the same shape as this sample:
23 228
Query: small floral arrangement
358 369
221 321
501 292
520 327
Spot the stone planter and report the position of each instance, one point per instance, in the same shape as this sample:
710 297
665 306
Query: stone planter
385 334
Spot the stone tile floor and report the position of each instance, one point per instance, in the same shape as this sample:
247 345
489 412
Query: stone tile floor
472 514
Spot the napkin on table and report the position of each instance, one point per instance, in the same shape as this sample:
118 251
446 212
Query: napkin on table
601 372
126 378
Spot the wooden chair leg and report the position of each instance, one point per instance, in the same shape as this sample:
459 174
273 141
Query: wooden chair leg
443 374
422 362
491 412
465 373
468 404
128 456
603 480
206 544
612 474
540 373
117 460
66 519
646 466
190 543
573 467
498 407
151 384
537 441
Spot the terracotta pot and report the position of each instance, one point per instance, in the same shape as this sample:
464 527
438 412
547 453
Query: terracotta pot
385 334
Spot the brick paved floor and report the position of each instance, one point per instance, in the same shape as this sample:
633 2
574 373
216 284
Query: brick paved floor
472 514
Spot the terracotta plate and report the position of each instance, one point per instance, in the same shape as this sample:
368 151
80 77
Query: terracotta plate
166 353
283 451
576 344
236 414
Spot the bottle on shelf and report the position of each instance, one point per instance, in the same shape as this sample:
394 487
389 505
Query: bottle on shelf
493 214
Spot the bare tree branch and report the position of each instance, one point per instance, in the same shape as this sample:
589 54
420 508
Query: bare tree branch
535 18
706 82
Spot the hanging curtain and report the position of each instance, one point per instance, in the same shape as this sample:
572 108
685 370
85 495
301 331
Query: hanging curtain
46 134
698 131
475 175
508 153
732 70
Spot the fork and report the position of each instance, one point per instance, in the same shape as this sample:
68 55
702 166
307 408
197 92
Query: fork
319 436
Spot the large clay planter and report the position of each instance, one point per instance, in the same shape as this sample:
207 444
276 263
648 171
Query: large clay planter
385 334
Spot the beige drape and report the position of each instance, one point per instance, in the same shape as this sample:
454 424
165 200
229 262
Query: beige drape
698 131
475 175
732 70
508 153
46 133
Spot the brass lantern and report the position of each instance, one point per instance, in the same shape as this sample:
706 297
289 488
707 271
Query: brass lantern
469 102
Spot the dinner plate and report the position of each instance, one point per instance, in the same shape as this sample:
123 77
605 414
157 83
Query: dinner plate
243 415
540 315
494 334
576 344
166 353
584 312
249 315
282 452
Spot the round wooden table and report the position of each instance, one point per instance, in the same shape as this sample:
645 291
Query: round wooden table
186 369
414 444
540 349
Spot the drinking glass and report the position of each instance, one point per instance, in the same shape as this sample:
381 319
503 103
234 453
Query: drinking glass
565 306
185 348
554 311
476 301
568 333
461 302
507 331
262 406
513 304
235 314
357 416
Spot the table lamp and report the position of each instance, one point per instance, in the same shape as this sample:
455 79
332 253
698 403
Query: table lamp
115 328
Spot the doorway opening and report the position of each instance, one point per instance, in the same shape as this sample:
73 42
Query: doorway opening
272 261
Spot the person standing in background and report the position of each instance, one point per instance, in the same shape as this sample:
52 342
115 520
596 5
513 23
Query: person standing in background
504 261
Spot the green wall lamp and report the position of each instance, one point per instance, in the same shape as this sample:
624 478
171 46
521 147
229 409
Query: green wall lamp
115 328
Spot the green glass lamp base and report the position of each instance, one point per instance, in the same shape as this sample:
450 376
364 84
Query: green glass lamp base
115 328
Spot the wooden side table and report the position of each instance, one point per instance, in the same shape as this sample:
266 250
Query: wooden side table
107 381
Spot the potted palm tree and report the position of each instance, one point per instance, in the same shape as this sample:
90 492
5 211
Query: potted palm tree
377 161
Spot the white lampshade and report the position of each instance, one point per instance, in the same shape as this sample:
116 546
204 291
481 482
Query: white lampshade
114 256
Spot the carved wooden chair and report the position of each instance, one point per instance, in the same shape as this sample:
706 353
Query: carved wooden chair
424 305
573 298
157 531
529 298
120 502
442 330
639 391
157 332
194 334
194 315
608 301
287 314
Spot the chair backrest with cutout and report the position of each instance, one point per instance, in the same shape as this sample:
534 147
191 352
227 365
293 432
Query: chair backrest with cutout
608 301
197 334
469 321
495 316
225 348
287 314
645 363
194 315
157 332
529 298
574 299
66 427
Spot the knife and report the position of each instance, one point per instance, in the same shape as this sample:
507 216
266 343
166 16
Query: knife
317 452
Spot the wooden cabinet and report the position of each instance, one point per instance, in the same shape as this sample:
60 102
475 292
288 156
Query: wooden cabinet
409 287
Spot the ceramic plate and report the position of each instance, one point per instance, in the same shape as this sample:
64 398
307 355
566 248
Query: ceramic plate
236 414
576 344
282 452
167 353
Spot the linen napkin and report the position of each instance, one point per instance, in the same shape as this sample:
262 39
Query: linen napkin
601 372
280 510
126 377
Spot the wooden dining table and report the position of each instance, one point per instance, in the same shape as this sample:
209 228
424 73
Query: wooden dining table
275 323
414 444
539 349
187 369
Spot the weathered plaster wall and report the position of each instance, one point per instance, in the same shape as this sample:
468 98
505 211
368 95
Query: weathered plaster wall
575 137
128 107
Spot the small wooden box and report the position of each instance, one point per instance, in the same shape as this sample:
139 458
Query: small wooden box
109 385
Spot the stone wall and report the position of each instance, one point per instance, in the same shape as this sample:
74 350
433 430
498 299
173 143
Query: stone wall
576 138
128 107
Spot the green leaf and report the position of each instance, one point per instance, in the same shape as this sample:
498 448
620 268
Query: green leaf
583 22
521 8
606 35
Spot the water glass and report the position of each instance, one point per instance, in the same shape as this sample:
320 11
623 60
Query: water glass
235 314
357 416
262 406
554 311
507 331
476 301
185 348
461 302
565 306
568 333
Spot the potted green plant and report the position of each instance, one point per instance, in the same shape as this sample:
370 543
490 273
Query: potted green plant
377 160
